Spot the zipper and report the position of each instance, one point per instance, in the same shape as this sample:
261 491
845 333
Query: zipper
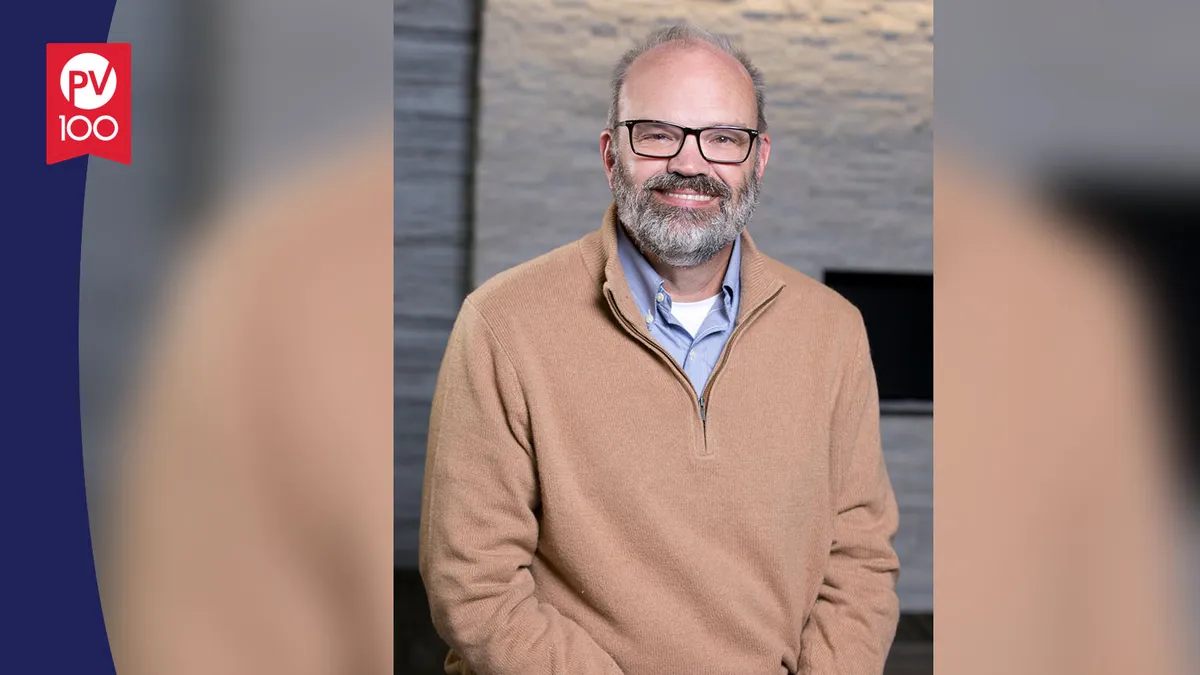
682 376
712 379
700 399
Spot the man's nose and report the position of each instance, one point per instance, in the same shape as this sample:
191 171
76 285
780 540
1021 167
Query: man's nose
689 161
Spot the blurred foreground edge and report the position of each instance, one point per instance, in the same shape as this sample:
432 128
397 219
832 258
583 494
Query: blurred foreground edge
253 514
1057 511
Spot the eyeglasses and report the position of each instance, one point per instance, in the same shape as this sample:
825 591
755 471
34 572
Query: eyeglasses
663 140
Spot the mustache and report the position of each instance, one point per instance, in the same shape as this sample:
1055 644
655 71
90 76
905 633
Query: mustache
698 183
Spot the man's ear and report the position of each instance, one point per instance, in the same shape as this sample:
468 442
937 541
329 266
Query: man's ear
764 153
608 153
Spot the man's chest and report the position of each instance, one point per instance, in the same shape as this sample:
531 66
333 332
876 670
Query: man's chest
626 425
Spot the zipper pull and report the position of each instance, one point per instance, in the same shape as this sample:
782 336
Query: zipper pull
703 418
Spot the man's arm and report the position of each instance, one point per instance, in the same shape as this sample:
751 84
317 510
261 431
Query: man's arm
854 619
478 525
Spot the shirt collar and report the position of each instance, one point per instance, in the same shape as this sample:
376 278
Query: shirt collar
733 276
645 283
758 282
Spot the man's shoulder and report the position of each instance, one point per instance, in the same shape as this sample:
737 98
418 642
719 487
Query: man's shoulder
813 300
554 274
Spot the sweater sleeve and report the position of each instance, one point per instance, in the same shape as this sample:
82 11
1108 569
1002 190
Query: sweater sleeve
853 621
479 530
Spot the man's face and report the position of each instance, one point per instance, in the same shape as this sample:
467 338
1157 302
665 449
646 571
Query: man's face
685 209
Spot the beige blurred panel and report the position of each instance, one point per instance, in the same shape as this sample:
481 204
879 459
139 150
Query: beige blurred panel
254 516
1055 515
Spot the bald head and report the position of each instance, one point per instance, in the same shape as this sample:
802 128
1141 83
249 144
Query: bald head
679 58
691 84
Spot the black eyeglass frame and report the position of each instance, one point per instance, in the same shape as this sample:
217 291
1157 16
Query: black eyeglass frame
689 131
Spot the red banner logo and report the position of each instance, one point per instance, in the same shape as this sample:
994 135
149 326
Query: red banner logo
87 101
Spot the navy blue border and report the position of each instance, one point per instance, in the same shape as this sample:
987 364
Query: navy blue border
49 601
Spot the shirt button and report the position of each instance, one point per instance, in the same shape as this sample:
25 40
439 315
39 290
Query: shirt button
659 297
649 318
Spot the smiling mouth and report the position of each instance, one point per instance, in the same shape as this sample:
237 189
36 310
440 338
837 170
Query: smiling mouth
690 198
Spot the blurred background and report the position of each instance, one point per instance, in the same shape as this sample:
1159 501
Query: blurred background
226 105
499 107
1069 170
235 341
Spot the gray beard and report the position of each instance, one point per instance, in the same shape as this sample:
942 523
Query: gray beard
682 237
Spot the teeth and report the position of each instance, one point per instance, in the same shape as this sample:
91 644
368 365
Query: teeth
697 198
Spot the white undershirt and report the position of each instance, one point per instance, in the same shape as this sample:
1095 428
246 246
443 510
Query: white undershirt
691 314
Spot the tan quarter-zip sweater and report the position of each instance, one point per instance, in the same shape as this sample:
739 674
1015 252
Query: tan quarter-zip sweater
580 516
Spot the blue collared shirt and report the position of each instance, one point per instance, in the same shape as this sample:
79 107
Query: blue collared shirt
698 354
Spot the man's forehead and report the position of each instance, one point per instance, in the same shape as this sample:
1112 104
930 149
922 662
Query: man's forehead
699 59
696 85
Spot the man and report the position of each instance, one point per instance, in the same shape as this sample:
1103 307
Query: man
655 450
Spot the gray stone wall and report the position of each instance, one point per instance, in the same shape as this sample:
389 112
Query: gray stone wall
908 449
435 49
850 99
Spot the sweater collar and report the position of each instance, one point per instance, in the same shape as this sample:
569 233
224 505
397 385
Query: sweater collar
758 282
